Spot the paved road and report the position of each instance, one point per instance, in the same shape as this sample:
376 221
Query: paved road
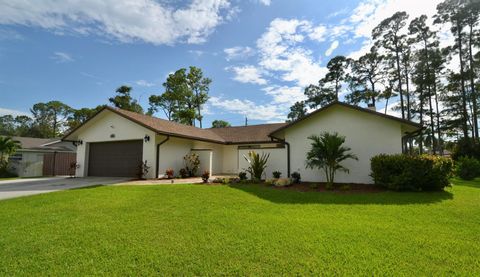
24 187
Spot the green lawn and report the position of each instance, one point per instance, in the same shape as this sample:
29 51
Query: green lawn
241 230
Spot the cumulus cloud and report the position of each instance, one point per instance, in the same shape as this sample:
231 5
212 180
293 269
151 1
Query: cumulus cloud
281 52
248 74
368 14
150 21
62 57
285 94
250 109
238 53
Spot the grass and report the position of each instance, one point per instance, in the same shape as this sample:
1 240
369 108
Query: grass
241 230
9 178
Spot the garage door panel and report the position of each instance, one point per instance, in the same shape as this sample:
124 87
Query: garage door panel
120 158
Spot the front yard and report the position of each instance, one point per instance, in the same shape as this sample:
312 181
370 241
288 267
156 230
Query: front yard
241 230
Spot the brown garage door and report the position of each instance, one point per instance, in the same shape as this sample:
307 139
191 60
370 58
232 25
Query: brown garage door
112 159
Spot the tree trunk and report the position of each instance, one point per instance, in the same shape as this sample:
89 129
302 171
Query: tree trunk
432 126
472 83
420 143
462 81
439 132
399 75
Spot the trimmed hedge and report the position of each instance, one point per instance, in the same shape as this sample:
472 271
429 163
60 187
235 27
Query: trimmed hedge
411 173
467 168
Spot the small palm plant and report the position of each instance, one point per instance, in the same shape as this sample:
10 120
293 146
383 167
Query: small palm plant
327 153
8 146
258 163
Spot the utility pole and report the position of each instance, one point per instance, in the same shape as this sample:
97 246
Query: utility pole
246 121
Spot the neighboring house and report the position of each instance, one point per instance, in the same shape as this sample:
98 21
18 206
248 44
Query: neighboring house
114 142
38 157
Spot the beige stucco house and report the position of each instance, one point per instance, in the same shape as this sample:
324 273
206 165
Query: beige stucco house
114 142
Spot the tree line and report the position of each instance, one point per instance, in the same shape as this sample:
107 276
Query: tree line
186 91
406 62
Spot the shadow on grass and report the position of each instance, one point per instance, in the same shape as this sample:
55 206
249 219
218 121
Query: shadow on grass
382 198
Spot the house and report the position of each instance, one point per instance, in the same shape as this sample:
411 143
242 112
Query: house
39 156
114 142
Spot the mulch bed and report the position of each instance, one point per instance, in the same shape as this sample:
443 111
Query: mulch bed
339 188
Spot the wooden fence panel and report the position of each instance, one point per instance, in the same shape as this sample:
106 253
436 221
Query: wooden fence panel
58 163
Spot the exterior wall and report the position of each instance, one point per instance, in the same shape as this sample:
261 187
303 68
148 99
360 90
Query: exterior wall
230 159
101 129
277 160
367 135
216 152
171 154
27 164
206 158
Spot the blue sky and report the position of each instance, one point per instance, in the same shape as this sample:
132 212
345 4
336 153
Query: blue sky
259 53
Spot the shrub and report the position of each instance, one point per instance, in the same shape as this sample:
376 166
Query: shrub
467 168
466 147
169 173
142 170
327 152
183 173
192 163
283 182
296 177
242 175
205 176
257 163
276 174
411 173
5 173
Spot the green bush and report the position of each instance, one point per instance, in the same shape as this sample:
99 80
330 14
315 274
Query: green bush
467 168
277 174
296 177
466 147
5 173
242 175
411 173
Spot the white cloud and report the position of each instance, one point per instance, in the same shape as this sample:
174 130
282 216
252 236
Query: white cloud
62 57
248 74
332 47
5 111
248 108
144 83
285 94
150 21
281 52
318 33
368 14
238 53
265 2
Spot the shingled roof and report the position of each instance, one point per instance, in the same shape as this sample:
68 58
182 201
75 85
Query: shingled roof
228 135
247 134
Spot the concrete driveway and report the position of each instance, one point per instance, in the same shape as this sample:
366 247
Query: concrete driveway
24 187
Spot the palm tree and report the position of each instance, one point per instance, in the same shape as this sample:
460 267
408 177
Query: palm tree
8 146
327 153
